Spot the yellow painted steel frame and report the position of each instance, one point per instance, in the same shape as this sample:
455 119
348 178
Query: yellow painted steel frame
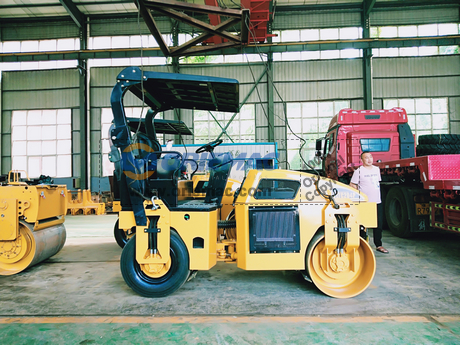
143 254
116 206
8 219
314 212
41 205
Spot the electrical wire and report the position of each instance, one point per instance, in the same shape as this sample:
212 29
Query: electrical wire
286 121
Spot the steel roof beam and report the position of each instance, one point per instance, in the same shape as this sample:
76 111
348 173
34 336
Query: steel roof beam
78 17
183 6
153 28
368 5
249 49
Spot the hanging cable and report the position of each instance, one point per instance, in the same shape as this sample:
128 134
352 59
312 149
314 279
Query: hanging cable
286 121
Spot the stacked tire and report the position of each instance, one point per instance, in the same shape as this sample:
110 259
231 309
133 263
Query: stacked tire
438 144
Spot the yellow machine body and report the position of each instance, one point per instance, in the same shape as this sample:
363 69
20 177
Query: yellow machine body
314 212
198 227
187 190
295 228
31 224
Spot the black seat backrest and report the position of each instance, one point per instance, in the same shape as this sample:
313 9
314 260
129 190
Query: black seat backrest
220 167
166 180
168 165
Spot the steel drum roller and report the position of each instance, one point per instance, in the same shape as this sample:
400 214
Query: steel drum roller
30 247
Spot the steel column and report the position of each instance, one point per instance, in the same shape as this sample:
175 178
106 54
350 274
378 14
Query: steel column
84 128
367 56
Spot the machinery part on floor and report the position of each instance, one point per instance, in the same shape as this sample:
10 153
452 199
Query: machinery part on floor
82 203
340 275
31 224
122 236
156 280
116 206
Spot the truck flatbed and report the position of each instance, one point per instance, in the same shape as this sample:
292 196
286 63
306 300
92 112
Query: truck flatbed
437 172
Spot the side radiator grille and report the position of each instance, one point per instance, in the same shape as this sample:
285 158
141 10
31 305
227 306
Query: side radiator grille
274 229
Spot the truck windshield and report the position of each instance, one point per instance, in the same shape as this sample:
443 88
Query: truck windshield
375 144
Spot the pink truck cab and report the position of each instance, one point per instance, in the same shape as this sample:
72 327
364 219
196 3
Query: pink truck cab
420 192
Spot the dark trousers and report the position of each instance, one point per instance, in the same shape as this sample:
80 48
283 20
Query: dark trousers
378 229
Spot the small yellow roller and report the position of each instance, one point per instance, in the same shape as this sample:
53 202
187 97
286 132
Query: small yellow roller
31 224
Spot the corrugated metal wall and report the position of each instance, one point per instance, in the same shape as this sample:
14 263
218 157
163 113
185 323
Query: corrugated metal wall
412 16
126 26
39 31
344 18
419 77
315 19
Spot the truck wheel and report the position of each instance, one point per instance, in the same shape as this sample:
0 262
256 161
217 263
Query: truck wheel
397 214
440 139
334 274
169 279
121 236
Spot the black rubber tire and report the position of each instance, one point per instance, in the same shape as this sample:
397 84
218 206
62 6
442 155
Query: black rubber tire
397 214
437 149
120 235
439 139
156 287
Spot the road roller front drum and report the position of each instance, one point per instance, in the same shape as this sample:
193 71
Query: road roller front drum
341 275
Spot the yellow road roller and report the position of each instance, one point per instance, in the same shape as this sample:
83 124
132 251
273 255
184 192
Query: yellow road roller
192 188
31 223
282 219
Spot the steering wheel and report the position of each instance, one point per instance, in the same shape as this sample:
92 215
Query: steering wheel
209 147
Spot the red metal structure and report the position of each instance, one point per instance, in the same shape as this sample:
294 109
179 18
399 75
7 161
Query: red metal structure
258 18
252 19
419 192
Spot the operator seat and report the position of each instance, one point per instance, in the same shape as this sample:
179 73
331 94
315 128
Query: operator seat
166 180
220 167
167 167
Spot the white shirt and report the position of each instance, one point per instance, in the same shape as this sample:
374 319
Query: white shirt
368 181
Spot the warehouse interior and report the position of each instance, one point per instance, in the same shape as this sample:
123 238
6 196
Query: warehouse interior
277 73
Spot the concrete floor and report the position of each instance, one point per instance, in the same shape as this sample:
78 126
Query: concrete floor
79 297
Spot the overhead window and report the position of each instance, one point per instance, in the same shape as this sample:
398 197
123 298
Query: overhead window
208 125
309 121
425 115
